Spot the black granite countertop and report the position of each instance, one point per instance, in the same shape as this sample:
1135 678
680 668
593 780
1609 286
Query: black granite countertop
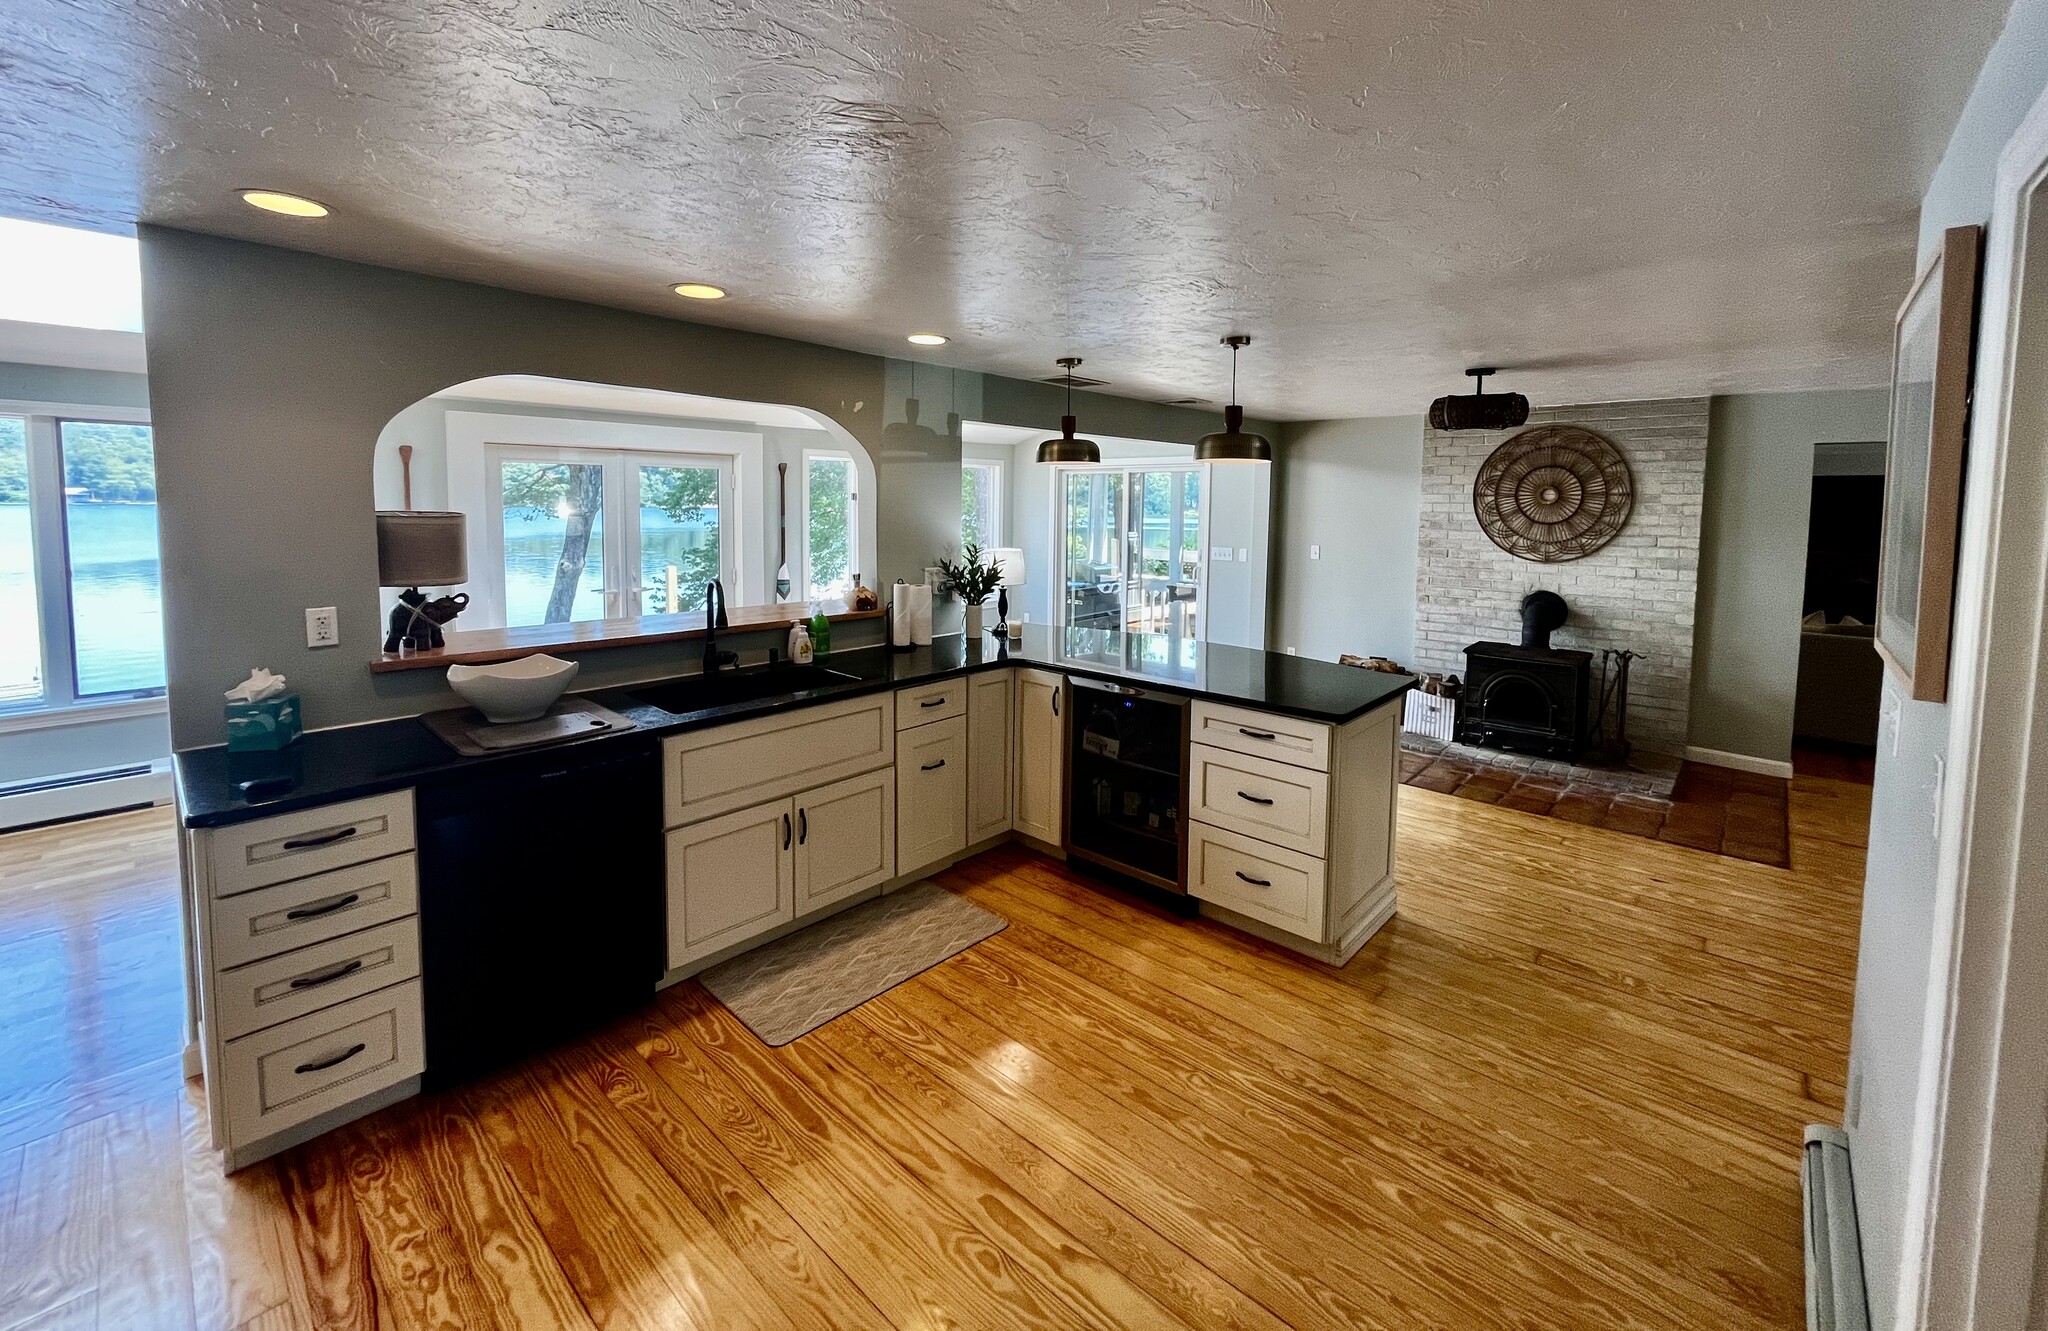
329 765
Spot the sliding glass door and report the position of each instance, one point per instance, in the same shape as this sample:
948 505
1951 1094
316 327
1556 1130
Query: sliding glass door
586 534
1131 541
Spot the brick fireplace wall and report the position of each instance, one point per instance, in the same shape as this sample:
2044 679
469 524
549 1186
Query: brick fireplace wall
1636 593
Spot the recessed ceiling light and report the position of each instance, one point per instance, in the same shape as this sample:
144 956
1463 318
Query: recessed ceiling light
698 291
291 205
928 339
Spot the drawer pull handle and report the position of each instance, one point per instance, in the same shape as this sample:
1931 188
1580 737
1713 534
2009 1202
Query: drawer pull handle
1256 799
1255 882
327 907
328 976
1257 734
335 1062
1055 702
323 839
934 702
933 767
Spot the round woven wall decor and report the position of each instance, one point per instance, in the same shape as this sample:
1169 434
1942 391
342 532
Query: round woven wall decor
1553 494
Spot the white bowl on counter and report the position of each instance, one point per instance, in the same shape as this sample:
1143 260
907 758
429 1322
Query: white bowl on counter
513 690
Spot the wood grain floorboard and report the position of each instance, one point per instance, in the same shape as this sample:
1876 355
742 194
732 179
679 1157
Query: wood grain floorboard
1562 1089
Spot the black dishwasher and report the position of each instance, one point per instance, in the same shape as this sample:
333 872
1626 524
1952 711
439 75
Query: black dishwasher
541 900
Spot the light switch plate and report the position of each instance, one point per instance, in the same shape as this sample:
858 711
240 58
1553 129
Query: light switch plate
323 627
1220 553
1315 552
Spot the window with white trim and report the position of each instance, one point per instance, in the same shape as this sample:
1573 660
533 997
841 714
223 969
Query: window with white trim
81 584
831 525
981 504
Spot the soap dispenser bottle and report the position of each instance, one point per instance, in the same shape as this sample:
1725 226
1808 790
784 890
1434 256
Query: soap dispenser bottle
821 630
800 651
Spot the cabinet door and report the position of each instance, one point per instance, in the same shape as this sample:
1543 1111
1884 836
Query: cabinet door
1041 755
729 879
845 839
990 768
931 793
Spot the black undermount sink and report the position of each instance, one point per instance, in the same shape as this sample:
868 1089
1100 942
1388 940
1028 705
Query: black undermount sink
727 687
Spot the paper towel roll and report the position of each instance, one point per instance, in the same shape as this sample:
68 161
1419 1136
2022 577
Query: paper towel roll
899 614
921 616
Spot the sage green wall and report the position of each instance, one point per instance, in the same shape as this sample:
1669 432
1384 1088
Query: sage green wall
1353 490
72 388
272 373
1753 559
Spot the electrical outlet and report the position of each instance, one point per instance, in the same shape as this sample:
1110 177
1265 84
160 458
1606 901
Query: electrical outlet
323 627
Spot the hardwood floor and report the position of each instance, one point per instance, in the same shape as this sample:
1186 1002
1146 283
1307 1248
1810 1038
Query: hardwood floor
1563 1088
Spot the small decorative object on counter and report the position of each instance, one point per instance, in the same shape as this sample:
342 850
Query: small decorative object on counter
864 597
1379 663
1016 630
801 651
821 630
1008 562
973 580
260 714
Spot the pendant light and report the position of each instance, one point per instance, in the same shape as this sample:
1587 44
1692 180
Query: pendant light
1233 444
1066 448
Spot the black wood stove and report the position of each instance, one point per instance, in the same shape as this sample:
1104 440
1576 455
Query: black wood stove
1529 697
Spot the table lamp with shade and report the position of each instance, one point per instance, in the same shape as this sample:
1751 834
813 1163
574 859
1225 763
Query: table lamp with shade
415 550
1010 561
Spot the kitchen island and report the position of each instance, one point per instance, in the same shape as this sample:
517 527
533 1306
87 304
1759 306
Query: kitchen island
354 902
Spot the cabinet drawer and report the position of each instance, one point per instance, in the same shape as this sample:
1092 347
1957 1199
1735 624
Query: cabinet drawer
1287 806
931 794
304 1068
1262 734
930 702
264 993
305 911
1277 887
716 771
293 845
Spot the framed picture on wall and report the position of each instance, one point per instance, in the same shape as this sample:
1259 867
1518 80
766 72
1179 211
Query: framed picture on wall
1932 347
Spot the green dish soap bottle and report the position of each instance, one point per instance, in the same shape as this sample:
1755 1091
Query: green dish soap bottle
821 630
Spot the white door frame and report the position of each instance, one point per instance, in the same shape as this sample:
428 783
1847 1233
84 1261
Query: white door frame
1975 1176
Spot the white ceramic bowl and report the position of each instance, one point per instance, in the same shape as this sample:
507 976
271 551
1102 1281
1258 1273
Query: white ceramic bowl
512 690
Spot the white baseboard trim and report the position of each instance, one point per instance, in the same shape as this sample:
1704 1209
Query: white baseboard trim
1741 762
84 798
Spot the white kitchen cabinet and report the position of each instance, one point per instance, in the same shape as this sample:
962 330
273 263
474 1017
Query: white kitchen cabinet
845 839
931 793
1041 756
730 878
747 763
991 768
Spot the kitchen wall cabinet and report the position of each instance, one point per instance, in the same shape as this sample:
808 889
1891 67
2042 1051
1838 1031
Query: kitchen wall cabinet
1041 756
845 840
729 878
991 765
931 793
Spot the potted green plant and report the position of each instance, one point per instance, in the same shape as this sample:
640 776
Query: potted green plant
973 580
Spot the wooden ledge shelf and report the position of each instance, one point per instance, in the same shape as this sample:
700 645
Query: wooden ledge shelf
483 646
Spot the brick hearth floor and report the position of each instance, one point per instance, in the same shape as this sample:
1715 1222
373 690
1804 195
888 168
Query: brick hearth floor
1712 808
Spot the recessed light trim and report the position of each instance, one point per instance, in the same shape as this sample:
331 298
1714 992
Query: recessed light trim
283 204
927 339
698 291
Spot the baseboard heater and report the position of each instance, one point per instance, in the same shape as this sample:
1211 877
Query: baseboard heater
1835 1297
82 794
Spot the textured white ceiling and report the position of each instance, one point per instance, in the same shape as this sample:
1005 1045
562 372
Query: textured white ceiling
1611 199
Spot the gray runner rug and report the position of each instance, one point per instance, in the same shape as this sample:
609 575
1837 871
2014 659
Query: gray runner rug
797 984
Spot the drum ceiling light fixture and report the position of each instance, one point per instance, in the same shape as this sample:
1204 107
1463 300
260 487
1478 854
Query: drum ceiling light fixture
1233 444
1066 448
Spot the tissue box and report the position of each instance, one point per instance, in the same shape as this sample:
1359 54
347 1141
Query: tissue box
270 724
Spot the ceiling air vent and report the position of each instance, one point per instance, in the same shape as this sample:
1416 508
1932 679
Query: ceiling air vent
1078 381
1188 402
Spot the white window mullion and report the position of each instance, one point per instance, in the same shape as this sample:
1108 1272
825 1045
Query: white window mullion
52 568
